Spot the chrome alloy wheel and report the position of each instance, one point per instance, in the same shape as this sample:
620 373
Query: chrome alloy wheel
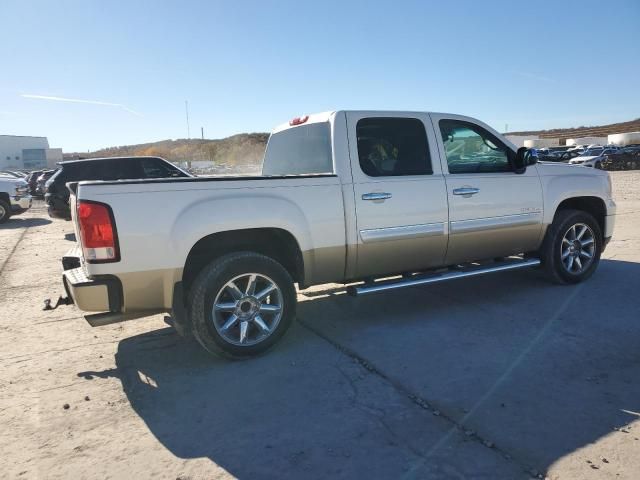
578 248
3 212
247 309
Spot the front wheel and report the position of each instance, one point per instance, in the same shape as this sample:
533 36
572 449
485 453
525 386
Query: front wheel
572 247
241 304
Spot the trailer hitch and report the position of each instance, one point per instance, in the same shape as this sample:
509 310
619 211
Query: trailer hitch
61 301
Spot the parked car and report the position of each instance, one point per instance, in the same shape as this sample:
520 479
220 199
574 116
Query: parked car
592 157
57 194
356 196
14 197
627 158
41 183
12 173
32 180
569 154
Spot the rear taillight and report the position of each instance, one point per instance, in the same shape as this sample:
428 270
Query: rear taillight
98 232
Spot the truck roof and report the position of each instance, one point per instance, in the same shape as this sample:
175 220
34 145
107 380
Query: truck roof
326 116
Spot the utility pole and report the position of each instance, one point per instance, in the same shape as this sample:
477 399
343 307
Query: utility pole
506 127
186 108
202 132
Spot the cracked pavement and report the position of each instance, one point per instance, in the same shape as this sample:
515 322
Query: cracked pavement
504 376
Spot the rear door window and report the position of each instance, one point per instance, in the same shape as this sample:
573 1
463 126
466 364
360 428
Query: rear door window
390 147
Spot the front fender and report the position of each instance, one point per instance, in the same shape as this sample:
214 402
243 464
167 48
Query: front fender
582 182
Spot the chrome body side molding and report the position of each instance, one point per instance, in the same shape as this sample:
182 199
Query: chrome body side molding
492 223
401 233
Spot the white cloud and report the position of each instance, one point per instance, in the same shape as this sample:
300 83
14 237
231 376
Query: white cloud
78 100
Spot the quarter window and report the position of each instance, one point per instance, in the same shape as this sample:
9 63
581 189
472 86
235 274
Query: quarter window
470 148
393 147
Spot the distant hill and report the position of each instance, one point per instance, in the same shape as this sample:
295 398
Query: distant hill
599 131
238 152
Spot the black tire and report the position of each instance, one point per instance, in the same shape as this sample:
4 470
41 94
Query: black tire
598 165
552 247
210 282
5 211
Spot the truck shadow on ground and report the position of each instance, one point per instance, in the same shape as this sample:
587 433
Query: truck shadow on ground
17 222
539 370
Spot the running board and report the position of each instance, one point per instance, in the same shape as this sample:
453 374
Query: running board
367 288
108 318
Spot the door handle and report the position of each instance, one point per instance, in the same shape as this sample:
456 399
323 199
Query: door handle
376 196
466 191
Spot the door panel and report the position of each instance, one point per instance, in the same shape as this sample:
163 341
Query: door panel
401 220
491 214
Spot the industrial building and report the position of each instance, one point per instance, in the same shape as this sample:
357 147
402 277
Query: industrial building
27 153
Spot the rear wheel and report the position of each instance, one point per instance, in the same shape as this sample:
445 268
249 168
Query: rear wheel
572 247
241 304
5 211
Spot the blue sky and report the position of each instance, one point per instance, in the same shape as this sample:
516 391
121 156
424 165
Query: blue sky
247 66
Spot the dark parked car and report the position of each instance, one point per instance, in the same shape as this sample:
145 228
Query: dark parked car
115 168
627 158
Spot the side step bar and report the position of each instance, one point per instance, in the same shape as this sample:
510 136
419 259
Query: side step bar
107 318
367 288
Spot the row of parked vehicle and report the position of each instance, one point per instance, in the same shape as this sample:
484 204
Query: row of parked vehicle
50 185
605 157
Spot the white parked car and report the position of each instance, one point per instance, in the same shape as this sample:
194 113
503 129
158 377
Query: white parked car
14 197
592 157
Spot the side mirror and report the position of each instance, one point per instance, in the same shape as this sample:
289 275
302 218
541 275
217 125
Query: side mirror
524 158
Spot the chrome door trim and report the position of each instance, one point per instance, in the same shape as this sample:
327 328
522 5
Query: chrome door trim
400 233
492 223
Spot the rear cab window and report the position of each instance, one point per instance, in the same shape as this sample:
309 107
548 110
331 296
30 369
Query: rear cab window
301 150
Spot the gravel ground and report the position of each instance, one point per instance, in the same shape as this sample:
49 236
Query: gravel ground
500 377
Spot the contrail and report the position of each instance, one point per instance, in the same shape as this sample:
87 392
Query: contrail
78 100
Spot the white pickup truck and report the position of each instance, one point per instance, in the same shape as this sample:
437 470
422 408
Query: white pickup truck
381 200
14 197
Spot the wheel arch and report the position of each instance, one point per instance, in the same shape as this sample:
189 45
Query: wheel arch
276 243
590 204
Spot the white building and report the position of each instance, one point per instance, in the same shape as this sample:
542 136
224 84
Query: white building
623 139
27 153
542 142
518 140
587 141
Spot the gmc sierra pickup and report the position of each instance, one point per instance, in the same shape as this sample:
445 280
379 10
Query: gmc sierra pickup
381 200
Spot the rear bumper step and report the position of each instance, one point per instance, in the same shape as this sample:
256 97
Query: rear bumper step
424 279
